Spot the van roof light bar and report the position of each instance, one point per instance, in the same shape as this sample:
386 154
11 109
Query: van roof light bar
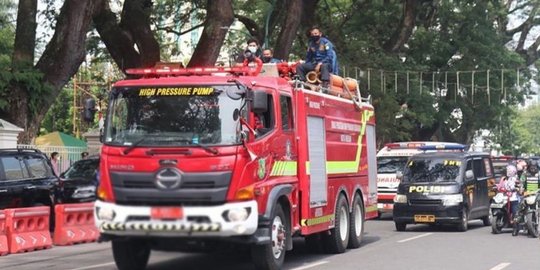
443 147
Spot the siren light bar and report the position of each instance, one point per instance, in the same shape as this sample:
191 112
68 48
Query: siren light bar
188 71
405 145
443 147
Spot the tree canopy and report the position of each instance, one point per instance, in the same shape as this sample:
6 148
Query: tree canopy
434 69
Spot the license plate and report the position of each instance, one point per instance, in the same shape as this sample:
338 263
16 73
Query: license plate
167 213
424 218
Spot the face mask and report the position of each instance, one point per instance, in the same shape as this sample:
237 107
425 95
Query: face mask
315 38
252 49
266 59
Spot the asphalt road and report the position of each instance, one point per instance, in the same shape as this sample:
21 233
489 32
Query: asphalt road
420 247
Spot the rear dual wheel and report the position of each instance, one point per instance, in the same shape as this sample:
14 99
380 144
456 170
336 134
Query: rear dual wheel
338 238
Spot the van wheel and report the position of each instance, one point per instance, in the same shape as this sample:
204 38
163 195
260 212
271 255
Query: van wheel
357 223
401 227
464 222
130 254
338 239
270 256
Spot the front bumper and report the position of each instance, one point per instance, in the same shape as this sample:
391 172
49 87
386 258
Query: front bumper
197 221
404 213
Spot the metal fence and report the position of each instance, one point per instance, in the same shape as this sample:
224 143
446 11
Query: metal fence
67 154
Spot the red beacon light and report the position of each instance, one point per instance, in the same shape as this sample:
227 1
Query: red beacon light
411 145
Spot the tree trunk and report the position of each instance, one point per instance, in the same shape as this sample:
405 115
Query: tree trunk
288 30
22 60
59 62
219 17
120 39
404 31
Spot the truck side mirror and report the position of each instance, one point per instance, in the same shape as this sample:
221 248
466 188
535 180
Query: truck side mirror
399 175
259 102
469 175
89 110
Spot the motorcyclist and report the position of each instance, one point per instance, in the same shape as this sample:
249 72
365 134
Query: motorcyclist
511 187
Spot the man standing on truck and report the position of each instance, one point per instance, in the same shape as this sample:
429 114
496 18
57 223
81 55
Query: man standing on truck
320 57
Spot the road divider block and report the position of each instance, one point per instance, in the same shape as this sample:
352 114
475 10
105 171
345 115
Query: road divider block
74 224
4 247
28 229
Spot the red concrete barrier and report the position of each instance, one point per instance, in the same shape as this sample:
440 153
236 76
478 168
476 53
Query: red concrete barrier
4 247
74 223
28 229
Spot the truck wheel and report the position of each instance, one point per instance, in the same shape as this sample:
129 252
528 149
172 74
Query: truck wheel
270 256
130 254
338 238
400 227
357 223
464 221
532 224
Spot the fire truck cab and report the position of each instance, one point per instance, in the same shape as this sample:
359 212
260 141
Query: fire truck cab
198 158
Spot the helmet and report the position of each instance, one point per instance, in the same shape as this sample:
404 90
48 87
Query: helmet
521 164
511 170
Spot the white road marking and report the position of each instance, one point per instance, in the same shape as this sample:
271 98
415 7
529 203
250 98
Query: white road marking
94 266
500 266
309 265
416 237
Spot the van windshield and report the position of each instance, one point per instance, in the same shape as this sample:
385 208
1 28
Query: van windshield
391 164
432 170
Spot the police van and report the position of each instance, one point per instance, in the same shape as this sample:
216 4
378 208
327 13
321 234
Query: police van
390 159
444 188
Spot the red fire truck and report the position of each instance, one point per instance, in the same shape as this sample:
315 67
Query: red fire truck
200 158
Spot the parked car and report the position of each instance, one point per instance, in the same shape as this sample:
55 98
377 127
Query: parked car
26 179
78 183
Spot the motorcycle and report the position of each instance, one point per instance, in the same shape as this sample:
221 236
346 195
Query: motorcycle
528 215
501 214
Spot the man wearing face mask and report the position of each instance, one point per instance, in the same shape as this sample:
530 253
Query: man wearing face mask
253 50
268 57
321 57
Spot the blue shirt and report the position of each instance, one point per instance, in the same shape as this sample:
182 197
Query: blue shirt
322 52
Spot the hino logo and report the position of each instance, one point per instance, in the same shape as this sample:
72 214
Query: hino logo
168 178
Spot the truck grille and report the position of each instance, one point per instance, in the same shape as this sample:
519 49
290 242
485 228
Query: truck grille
194 189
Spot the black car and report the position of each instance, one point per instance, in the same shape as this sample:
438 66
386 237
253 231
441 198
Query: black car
26 179
439 188
78 183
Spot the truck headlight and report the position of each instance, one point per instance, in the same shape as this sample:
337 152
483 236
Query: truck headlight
237 214
453 199
530 200
105 214
400 198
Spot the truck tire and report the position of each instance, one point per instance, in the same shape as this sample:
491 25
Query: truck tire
130 254
270 256
356 228
464 221
338 238
532 224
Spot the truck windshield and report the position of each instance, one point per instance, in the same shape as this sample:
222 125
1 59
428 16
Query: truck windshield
173 116
391 164
432 170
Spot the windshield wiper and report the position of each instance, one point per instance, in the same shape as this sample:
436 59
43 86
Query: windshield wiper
191 143
135 144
